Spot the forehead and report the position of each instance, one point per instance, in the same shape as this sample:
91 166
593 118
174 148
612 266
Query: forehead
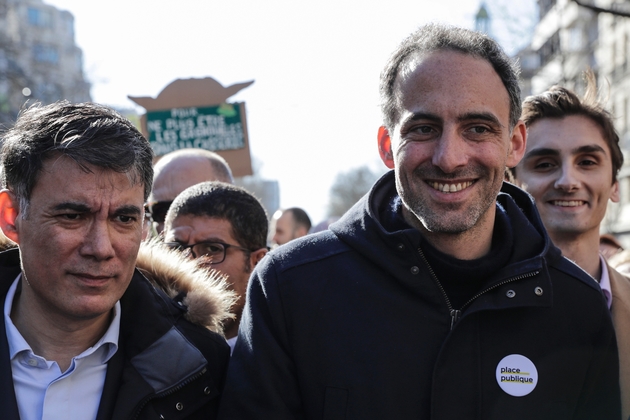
449 83
191 228
565 135
62 179
180 173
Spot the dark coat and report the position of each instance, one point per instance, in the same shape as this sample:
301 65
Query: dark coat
351 324
165 365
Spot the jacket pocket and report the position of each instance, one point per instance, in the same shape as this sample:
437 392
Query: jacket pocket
335 403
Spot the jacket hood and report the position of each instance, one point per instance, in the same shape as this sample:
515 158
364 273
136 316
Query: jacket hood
361 227
202 290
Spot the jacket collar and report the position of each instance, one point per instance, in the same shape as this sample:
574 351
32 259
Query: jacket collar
361 228
148 338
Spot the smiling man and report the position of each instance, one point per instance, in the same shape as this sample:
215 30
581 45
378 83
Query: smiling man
432 297
570 168
84 334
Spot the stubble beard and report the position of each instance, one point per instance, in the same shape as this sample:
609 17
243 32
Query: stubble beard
447 218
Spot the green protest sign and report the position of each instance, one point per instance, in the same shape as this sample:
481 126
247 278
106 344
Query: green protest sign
211 128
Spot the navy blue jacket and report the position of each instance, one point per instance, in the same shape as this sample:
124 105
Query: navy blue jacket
352 324
165 365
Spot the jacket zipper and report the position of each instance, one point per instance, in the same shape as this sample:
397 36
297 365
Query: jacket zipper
456 313
168 392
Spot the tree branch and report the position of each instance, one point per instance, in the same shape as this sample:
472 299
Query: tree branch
602 10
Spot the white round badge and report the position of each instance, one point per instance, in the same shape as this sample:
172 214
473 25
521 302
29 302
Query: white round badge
517 375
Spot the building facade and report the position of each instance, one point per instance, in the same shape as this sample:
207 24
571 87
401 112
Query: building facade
39 59
570 39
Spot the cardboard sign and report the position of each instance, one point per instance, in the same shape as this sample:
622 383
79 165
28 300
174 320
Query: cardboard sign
194 113
212 128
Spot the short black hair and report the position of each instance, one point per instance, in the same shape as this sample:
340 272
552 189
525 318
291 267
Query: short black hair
88 133
224 201
300 218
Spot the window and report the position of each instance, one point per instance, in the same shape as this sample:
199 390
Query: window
45 54
549 49
37 17
576 39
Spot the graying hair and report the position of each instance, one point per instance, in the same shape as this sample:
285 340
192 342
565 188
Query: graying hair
439 37
88 133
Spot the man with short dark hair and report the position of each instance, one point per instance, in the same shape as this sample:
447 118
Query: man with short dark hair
226 224
439 294
289 224
570 167
178 170
85 335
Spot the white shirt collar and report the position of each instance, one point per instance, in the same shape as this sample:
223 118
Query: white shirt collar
604 282
18 344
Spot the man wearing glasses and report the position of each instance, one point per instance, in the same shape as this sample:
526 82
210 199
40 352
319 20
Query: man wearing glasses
227 226
178 170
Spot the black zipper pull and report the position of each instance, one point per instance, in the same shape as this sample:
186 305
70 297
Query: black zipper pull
454 317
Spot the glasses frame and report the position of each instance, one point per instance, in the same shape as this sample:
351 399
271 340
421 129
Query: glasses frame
148 209
183 248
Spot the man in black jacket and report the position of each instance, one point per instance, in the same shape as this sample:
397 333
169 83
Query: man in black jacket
439 295
85 335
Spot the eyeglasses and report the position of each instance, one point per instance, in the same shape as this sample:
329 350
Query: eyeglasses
214 250
157 210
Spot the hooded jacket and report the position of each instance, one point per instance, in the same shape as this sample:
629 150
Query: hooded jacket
166 366
353 324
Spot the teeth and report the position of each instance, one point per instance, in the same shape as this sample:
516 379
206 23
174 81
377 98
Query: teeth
449 188
571 203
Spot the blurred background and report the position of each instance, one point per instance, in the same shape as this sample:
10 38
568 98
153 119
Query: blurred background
313 110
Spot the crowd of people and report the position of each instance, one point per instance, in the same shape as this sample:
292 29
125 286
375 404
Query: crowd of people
446 292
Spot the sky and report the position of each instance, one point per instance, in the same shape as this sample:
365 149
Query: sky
313 110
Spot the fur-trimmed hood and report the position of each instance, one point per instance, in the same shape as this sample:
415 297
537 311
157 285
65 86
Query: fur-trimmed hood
205 290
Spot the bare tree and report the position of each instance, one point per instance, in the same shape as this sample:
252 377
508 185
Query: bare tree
348 188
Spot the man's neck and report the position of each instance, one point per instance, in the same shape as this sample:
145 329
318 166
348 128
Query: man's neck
468 245
53 337
583 249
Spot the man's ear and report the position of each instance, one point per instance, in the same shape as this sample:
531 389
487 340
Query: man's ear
614 193
257 255
518 143
9 211
385 147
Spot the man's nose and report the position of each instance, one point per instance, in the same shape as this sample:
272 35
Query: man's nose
98 241
568 179
450 151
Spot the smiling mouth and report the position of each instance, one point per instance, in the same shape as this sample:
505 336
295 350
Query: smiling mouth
450 188
568 203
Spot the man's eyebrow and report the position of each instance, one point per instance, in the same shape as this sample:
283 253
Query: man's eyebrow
84 208
69 205
544 151
128 210
484 116
589 148
423 116
547 151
